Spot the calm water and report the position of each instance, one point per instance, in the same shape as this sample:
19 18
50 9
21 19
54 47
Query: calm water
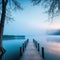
12 49
51 46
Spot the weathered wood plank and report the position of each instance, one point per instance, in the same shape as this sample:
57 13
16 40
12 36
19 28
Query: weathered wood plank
31 53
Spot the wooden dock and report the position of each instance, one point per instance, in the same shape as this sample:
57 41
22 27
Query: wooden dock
31 53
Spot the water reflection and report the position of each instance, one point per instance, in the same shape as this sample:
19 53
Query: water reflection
52 48
12 48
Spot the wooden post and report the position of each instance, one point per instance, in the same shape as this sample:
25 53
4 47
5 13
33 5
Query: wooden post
25 44
36 44
21 52
23 47
38 47
27 40
42 52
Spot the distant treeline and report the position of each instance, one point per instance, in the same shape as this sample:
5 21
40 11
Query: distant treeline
9 37
54 32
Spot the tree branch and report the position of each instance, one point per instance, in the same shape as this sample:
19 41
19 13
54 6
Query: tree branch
35 2
17 4
6 2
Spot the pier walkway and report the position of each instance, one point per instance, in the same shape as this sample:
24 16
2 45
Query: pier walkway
31 52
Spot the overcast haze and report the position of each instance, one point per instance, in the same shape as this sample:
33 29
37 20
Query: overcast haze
32 20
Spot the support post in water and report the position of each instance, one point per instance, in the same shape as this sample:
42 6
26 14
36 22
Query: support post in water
21 52
25 44
38 47
23 47
43 52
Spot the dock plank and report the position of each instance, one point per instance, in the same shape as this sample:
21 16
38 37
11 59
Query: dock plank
31 53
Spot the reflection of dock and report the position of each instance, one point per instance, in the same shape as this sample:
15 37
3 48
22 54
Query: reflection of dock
31 53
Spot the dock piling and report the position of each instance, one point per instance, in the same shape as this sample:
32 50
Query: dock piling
23 47
21 52
42 52
38 47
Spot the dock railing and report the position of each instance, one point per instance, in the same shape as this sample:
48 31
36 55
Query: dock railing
23 47
37 45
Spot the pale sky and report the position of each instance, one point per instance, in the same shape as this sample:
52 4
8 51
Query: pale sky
32 20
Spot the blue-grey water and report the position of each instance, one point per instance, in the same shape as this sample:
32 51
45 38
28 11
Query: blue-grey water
12 48
51 46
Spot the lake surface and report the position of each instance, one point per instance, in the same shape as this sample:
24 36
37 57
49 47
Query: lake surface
12 48
51 46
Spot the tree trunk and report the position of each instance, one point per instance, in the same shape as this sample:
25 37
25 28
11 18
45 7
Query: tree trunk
4 3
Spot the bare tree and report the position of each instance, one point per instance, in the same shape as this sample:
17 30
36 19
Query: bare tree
3 10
